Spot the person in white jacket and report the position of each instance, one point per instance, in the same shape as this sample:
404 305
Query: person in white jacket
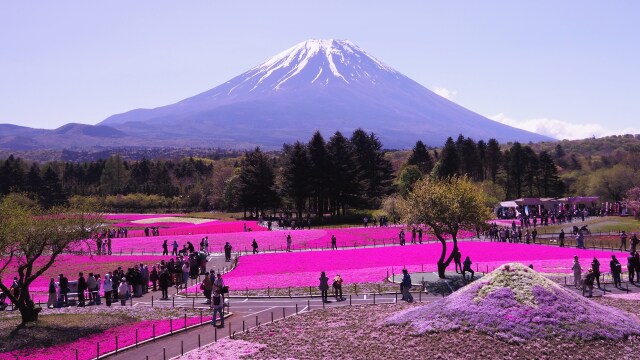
107 286
123 289
577 272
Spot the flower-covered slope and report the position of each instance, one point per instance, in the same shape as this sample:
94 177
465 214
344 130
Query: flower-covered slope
516 304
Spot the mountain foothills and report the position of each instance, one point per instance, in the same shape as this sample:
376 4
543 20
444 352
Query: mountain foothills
323 85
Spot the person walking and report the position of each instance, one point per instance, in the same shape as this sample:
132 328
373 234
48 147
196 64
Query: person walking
616 270
595 266
467 268
419 235
254 246
165 282
289 242
457 260
577 272
107 287
634 242
53 290
82 286
334 243
561 238
217 304
401 236
324 286
227 251
413 235
534 234
623 240
174 245
631 266
154 277
63 283
165 247
123 290
406 286
207 288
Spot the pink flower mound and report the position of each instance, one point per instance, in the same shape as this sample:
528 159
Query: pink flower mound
224 349
516 304
87 348
282 270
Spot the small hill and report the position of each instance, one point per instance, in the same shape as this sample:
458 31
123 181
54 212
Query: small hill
516 304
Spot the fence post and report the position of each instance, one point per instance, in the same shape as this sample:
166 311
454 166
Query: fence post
198 341
185 321
283 313
215 334
256 320
154 332
349 299
374 298
136 337
297 308
77 349
272 316
200 316
151 300
97 350
171 326
181 347
164 353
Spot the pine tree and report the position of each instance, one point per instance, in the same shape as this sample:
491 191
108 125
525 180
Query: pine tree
374 171
51 192
318 172
257 182
449 162
421 158
343 181
295 175
493 159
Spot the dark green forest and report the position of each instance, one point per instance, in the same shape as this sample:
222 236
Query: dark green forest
331 176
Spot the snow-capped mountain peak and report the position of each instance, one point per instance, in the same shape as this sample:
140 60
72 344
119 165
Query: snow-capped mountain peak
315 61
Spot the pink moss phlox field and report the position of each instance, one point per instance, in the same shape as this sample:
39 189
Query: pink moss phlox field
283 270
516 304
186 228
71 265
87 348
224 349
267 240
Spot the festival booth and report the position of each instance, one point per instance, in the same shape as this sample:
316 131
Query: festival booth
578 203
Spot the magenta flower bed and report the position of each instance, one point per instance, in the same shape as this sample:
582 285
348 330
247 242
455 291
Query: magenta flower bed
269 240
185 228
282 270
71 265
88 348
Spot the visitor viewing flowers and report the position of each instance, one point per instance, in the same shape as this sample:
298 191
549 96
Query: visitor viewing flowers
123 291
53 289
595 267
254 246
217 304
616 270
337 287
406 286
467 268
577 272
107 286
324 286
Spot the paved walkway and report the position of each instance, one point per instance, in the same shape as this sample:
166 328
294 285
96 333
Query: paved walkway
246 313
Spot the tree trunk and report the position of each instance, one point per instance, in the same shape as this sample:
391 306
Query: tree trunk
28 310
441 270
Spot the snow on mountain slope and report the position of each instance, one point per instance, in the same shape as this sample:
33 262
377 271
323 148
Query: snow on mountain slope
325 85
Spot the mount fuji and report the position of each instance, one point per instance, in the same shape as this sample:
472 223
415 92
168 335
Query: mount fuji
324 85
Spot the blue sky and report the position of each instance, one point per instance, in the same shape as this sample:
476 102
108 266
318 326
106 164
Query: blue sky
569 69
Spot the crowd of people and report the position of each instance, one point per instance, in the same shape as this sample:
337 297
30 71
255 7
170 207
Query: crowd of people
587 280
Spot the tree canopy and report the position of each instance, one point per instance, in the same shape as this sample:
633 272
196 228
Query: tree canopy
31 238
446 205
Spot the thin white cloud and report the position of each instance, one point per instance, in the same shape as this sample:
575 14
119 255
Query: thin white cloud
559 129
444 92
